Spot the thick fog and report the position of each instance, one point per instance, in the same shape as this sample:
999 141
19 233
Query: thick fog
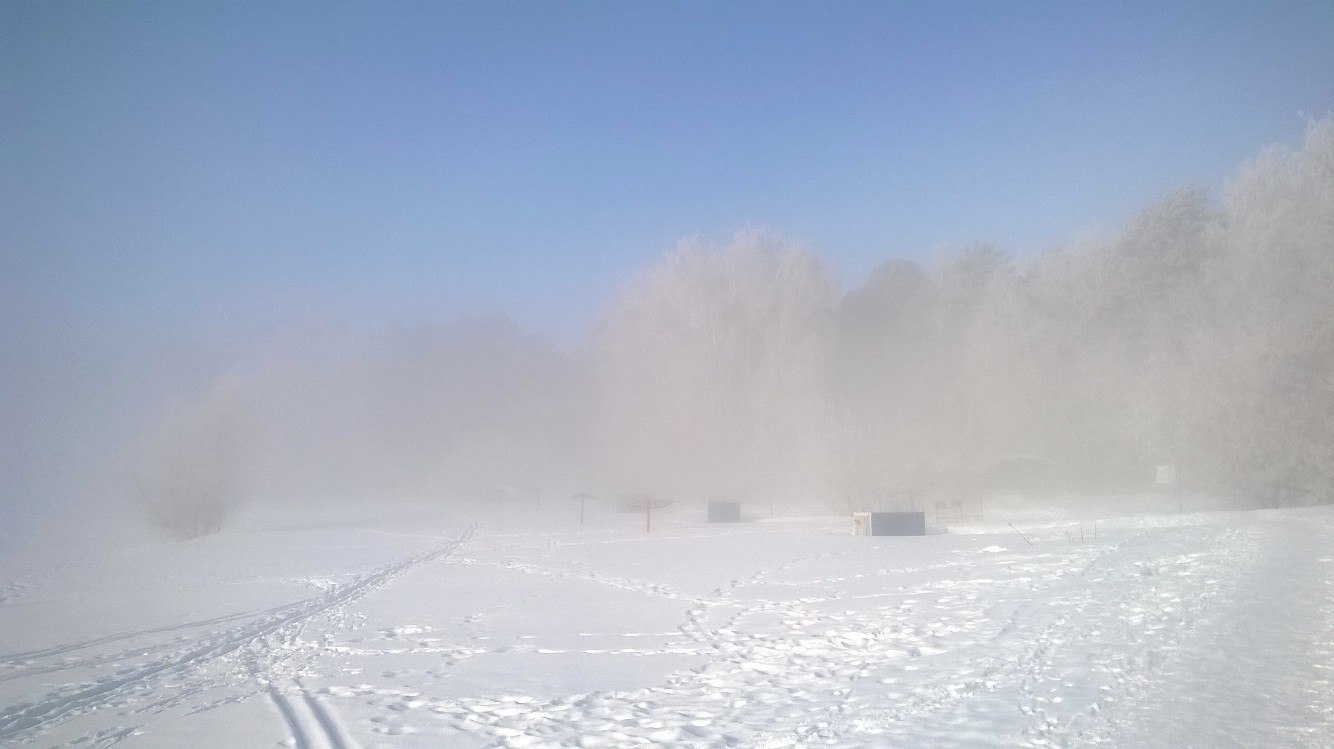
1200 335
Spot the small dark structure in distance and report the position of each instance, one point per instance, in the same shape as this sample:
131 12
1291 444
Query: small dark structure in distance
724 512
898 524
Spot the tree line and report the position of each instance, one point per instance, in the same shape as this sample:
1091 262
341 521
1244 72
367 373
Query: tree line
1200 336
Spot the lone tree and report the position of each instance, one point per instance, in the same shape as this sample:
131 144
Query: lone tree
191 478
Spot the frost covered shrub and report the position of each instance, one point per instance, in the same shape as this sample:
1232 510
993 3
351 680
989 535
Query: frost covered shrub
191 479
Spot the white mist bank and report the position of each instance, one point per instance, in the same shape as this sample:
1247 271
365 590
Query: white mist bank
1201 337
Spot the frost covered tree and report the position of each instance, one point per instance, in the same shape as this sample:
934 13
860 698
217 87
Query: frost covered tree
1264 412
923 376
1110 320
974 364
193 475
1198 336
881 383
711 370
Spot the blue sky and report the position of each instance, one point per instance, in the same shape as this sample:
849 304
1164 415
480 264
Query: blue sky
185 169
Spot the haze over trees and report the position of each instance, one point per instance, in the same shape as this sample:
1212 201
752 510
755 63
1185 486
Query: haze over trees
710 371
1201 335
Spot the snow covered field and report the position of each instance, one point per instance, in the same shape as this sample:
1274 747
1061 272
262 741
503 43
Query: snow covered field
417 628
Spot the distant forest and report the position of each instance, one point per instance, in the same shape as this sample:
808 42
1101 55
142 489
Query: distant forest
1201 337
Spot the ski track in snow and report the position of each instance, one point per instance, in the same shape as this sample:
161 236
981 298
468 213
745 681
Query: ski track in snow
175 669
295 724
311 724
36 662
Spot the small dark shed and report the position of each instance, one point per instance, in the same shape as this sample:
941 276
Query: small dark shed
724 512
898 524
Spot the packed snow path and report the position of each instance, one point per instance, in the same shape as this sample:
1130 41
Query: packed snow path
1260 670
1194 630
166 674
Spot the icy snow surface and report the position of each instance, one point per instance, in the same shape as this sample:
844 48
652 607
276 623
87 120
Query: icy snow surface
523 629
